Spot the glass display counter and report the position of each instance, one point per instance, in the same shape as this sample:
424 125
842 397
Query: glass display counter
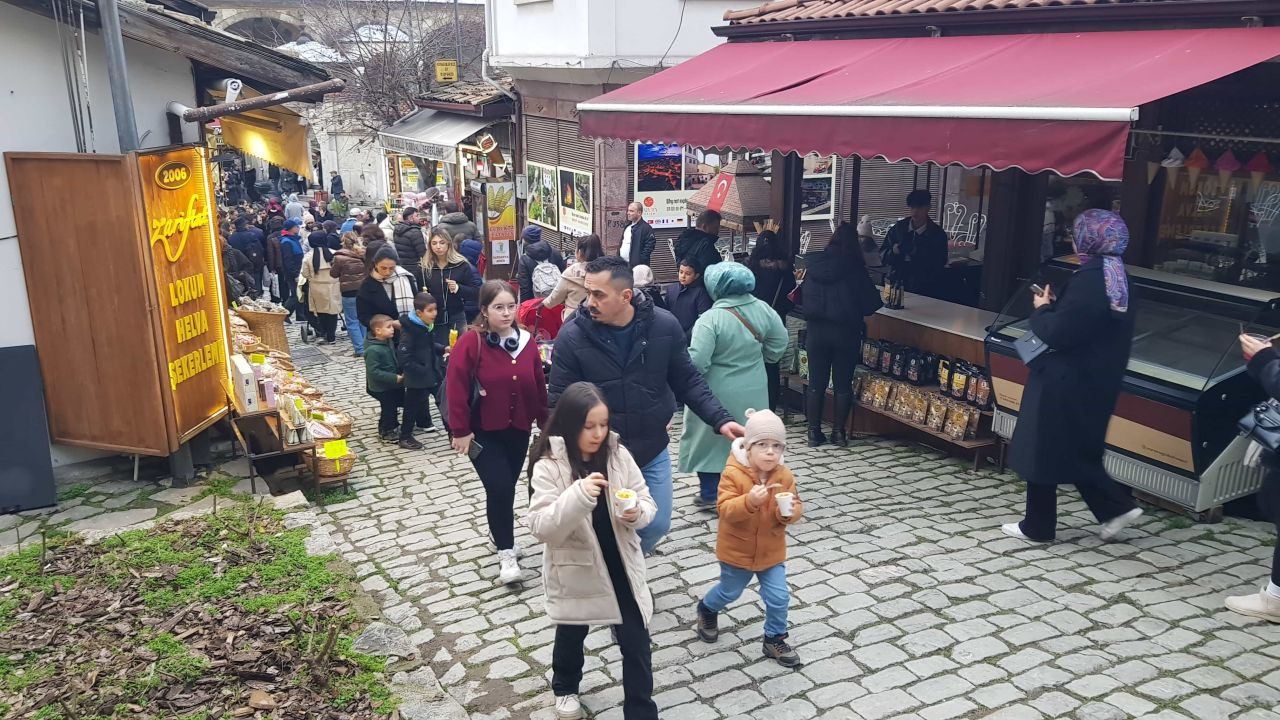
1173 433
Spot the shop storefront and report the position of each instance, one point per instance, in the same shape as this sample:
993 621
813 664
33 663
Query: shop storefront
1012 149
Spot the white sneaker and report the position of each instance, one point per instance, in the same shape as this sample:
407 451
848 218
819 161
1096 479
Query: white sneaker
1014 530
1261 604
433 428
1112 527
509 571
568 707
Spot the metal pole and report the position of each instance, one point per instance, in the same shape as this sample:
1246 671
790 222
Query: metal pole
118 75
457 31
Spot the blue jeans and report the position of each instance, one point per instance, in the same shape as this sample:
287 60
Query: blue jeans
355 330
773 590
657 475
709 485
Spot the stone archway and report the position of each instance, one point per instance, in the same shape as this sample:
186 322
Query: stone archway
267 27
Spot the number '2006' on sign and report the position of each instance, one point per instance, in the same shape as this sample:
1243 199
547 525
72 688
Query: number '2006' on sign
173 175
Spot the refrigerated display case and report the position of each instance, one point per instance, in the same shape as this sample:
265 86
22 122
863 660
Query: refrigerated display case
1173 433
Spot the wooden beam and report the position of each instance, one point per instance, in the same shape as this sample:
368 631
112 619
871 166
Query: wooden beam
204 114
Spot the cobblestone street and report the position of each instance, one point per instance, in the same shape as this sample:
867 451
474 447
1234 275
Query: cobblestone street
907 601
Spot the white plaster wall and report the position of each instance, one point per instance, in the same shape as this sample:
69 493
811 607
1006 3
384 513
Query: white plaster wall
603 33
35 117
360 161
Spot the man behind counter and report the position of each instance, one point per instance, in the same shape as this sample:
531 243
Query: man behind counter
915 249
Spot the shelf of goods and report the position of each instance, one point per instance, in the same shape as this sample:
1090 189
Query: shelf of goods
1173 433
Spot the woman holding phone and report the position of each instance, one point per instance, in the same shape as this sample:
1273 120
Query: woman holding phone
1263 365
1073 387
495 391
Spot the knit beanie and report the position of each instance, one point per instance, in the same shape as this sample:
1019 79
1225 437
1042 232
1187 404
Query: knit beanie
532 234
764 425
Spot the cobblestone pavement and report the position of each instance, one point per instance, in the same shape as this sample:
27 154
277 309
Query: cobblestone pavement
907 601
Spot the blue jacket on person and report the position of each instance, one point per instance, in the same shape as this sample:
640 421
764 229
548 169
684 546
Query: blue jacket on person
471 250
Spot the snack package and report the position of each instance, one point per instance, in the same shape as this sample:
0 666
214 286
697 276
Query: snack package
886 358
971 392
803 363
920 410
899 368
959 379
937 414
867 391
944 375
915 366
971 431
880 395
957 422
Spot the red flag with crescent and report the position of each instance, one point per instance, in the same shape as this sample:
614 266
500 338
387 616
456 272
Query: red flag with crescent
720 192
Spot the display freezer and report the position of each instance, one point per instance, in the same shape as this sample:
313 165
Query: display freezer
1173 432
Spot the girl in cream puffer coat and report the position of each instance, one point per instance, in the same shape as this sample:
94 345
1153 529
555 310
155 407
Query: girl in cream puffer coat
593 569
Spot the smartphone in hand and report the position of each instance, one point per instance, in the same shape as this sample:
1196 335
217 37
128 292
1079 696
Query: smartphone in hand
474 451
1036 289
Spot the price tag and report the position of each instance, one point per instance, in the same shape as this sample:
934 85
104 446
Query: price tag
335 449
257 358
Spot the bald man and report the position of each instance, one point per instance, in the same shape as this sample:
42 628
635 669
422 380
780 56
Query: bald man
637 238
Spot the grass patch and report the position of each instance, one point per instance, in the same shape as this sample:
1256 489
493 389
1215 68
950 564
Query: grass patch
222 486
74 491
239 569
1178 522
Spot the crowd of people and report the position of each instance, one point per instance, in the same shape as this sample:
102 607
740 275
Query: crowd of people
629 354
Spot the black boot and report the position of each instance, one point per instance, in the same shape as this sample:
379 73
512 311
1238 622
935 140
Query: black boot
813 403
840 423
707 626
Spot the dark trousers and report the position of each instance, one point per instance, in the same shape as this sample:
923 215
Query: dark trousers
499 465
637 662
773 374
709 485
326 325
1269 503
389 402
833 353
1106 498
417 410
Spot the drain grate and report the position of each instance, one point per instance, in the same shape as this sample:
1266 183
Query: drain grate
308 356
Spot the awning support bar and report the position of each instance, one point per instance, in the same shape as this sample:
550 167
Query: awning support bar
205 114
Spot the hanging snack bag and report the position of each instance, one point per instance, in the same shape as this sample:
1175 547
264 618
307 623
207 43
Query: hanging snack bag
983 396
959 379
975 377
944 375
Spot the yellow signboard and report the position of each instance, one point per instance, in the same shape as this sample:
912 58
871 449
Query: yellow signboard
446 71
185 252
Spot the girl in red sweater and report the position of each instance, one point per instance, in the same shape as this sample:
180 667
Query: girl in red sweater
500 361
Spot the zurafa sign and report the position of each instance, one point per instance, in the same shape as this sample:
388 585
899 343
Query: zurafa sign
187 265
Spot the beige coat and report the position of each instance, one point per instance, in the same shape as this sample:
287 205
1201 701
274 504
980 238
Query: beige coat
325 294
571 290
575 578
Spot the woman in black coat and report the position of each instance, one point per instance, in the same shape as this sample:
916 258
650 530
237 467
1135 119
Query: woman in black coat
1073 386
836 298
450 281
771 264
1264 366
388 290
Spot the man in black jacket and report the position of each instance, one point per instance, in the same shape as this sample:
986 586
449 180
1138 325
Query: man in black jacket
698 243
411 246
637 238
635 353
915 250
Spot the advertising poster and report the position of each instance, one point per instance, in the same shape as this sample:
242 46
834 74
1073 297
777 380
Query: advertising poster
187 259
660 184
575 202
544 197
817 187
500 211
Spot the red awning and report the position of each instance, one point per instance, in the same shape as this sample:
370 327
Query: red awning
1061 102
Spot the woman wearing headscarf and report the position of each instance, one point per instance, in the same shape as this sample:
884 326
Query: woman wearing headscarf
324 295
730 345
771 264
1072 389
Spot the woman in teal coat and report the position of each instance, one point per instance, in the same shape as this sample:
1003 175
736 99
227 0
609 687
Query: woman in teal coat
729 345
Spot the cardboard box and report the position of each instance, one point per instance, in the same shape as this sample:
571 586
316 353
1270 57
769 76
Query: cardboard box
244 383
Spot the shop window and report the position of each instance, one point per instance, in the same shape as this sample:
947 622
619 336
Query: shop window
1065 199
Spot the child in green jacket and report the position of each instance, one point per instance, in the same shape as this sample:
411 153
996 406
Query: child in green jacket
382 375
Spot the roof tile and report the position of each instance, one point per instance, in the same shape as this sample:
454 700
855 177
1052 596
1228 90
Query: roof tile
785 10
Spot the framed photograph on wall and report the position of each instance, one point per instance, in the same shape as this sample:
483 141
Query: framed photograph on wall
544 195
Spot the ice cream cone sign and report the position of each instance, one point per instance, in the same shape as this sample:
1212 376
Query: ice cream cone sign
1195 163
1152 169
1172 163
1226 166
1258 168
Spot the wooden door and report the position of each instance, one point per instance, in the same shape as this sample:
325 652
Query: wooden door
82 237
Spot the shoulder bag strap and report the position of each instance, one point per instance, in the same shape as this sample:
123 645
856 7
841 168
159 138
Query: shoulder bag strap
746 324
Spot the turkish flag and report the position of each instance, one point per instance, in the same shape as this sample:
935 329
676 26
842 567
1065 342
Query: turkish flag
720 192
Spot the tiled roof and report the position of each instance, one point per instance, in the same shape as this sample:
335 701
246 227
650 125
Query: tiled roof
786 10
467 92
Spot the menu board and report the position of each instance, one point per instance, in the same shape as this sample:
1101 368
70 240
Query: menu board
186 258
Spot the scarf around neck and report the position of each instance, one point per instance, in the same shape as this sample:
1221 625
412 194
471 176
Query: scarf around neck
1102 233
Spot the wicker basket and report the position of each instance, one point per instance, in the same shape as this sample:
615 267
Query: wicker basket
329 468
268 326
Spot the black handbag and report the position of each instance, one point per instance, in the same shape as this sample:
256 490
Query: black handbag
1262 425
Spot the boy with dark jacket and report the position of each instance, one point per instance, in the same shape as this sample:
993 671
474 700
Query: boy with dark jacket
382 375
419 355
